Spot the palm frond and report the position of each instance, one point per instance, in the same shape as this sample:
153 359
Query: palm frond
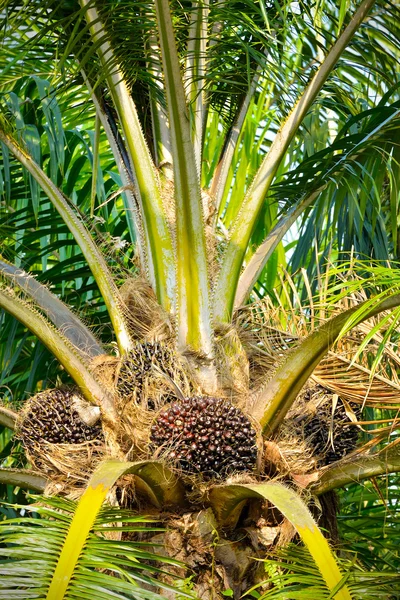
357 468
57 312
115 561
244 224
336 170
60 346
193 303
292 574
23 478
55 251
97 91
25 363
373 392
94 258
369 522
76 545
289 377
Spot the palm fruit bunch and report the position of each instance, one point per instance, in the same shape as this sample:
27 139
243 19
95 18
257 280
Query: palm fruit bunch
205 435
137 365
50 416
331 442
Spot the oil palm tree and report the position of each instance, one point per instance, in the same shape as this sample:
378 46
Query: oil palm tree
226 123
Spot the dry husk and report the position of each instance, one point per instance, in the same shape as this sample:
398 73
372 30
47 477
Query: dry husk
147 320
67 466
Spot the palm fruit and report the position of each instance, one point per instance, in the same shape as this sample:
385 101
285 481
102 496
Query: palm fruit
137 366
51 416
319 433
205 435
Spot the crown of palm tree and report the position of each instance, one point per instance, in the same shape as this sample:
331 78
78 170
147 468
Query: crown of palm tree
155 157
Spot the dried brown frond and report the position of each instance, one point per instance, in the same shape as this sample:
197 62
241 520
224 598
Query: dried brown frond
263 340
269 329
354 382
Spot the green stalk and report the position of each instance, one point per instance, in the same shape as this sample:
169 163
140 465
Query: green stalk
56 311
195 73
62 349
281 390
355 469
8 417
159 246
23 478
93 256
193 311
252 204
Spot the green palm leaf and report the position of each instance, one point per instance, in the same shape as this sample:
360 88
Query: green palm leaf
75 550
293 574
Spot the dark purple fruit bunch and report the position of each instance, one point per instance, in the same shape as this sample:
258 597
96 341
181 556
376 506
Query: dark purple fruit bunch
206 435
137 366
331 443
51 416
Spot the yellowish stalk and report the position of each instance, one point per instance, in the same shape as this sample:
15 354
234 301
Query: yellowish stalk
229 500
165 487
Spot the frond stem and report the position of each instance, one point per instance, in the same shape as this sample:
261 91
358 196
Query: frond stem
62 349
193 315
243 227
84 240
159 245
273 403
55 310
355 469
